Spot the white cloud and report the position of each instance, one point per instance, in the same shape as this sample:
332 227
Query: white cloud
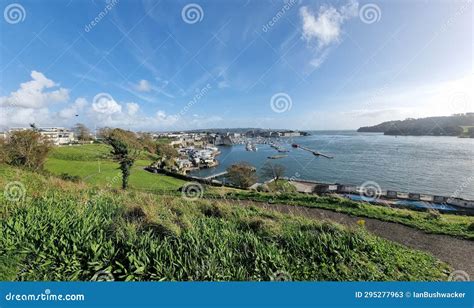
132 108
106 105
32 94
143 86
166 120
74 109
325 28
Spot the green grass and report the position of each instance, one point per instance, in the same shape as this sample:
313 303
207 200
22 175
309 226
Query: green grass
92 163
281 186
68 231
87 152
449 224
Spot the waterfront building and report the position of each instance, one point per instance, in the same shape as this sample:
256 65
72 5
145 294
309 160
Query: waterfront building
392 194
414 196
461 202
56 135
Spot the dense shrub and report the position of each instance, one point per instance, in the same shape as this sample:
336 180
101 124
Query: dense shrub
27 149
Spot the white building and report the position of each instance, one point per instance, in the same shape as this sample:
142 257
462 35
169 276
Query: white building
57 135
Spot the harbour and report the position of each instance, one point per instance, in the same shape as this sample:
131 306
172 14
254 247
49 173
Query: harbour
428 165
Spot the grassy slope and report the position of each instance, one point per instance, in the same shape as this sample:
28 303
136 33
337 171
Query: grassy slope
84 162
455 225
93 164
66 231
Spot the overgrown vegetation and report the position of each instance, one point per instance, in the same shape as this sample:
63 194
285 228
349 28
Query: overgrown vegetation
430 221
167 155
242 174
281 186
26 149
66 231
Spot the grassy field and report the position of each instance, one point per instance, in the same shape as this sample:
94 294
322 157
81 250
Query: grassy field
92 163
52 229
449 224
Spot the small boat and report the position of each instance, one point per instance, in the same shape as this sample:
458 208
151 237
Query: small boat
277 156
251 147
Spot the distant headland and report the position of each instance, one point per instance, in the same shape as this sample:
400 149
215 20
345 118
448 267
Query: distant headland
460 125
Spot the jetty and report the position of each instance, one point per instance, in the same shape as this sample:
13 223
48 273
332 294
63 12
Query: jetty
213 176
277 156
315 153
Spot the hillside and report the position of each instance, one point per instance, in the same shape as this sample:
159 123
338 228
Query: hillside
92 164
455 125
59 230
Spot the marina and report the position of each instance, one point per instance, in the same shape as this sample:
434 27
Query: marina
409 163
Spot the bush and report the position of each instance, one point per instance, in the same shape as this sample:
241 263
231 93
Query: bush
27 149
433 214
281 186
471 227
242 175
71 178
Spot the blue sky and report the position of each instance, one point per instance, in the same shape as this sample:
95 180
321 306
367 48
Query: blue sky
169 65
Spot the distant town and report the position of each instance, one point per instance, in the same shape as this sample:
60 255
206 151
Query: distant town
195 149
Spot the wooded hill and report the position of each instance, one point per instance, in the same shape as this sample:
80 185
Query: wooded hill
456 125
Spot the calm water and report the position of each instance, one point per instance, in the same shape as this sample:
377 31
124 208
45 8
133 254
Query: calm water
431 165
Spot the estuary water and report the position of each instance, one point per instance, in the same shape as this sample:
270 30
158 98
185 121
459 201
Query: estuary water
427 165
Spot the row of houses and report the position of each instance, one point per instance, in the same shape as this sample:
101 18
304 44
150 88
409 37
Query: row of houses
56 135
197 139
307 186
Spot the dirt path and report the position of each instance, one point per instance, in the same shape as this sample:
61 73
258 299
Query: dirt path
457 252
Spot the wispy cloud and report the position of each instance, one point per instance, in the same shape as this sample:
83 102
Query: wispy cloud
143 86
324 26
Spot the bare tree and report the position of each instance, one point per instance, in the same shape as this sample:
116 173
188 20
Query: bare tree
273 171
82 132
